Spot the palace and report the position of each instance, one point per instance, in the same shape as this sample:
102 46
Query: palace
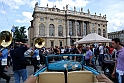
63 27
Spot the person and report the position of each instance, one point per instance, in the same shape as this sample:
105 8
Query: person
3 57
35 59
119 64
88 56
17 54
101 55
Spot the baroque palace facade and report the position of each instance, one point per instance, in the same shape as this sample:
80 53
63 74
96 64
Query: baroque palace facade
63 27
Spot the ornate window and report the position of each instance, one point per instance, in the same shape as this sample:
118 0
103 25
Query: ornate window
104 33
99 31
41 19
60 43
51 19
92 24
52 43
60 30
51 30
41 29
93 30
59 21
99 25
78 29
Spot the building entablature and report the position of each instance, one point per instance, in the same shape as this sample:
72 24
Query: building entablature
56 11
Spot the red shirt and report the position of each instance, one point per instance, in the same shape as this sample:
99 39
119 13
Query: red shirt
111 49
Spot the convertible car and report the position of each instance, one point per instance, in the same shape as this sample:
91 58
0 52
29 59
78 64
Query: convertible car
63 70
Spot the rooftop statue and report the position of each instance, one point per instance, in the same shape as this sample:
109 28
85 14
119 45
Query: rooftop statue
36 4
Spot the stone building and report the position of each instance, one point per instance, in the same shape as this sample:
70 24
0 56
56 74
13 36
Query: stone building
63 27
117 34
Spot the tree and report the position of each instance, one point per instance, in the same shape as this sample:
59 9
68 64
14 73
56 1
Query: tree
20 34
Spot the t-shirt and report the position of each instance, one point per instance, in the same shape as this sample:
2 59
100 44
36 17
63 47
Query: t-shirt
16 61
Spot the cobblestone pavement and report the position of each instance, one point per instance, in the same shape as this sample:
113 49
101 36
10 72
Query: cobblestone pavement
10 73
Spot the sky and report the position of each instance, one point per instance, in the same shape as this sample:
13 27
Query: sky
19 12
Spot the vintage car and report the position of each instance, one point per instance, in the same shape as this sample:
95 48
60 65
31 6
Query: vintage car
66 71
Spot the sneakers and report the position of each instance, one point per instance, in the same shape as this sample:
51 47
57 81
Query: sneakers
8 80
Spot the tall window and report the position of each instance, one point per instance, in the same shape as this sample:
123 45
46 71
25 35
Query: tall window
41 19
42 29
60 30
99 31
78 29
93 30
52 43
60 43
71 28
104 33
51 30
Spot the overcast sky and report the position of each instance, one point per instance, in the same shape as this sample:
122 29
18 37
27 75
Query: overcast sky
19 12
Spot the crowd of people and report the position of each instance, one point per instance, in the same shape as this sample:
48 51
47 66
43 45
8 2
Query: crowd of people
91 54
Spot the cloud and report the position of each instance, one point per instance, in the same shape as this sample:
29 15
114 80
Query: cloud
2 11
116 23
15 4
32 3
27 18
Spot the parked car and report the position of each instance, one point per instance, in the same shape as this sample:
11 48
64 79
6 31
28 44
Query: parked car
107 67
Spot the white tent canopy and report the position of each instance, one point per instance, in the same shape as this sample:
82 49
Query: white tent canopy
93 38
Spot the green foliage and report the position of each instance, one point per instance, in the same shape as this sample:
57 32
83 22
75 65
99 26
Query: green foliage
20 34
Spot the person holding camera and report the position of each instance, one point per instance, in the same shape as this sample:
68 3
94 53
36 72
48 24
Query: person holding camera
17 55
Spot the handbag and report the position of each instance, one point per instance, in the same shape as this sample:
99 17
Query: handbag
23 61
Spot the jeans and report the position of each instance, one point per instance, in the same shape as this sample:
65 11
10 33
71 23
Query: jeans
101 59
19 73
122 78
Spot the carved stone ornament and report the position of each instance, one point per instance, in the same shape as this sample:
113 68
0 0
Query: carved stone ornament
81 9
36 4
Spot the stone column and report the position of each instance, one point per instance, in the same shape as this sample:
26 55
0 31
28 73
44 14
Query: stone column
88 28
36 26
56 27
67 28
82 31
68 37
75 28
47 27
96 28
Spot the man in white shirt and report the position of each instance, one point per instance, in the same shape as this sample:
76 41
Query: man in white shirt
101 54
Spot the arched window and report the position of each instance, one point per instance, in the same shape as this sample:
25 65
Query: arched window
104 33
78 29
60 30
41 29
93 30
51 30
99 31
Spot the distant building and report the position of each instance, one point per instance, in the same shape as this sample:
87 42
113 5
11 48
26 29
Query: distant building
63 27
117 34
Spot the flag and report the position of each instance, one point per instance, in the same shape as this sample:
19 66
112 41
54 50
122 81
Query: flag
13 29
